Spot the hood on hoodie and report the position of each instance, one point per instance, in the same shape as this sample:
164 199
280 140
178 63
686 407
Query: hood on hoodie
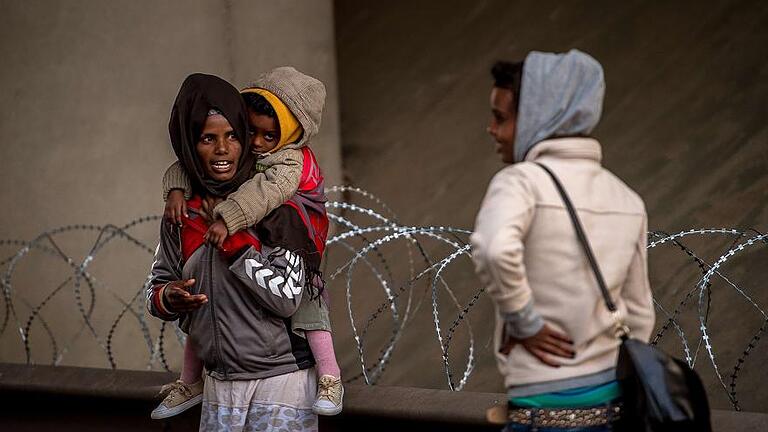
301 93
560 95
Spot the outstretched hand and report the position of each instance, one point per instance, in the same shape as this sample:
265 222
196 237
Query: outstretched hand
546 345
178 298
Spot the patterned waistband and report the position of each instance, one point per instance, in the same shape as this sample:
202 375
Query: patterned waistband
566 417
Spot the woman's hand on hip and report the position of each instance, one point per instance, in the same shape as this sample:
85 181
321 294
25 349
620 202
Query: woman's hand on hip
546 345
178 298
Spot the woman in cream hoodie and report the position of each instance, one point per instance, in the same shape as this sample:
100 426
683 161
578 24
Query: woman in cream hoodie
554 336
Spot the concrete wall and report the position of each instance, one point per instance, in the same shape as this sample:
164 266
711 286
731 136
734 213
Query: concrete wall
683 123
88 85
87 88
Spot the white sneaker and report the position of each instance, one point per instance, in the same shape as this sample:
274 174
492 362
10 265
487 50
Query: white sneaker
330 395
179 397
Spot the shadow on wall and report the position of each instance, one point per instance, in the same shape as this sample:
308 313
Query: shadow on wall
683 124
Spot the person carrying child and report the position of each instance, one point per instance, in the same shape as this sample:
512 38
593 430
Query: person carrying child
235 302
285 110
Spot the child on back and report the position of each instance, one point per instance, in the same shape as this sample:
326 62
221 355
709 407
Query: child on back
285 111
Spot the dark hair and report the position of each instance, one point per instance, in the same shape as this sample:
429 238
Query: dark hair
259 104
508 75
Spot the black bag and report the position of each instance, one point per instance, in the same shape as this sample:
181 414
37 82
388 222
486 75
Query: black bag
660 393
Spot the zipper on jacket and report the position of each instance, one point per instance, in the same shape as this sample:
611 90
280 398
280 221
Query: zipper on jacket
214 321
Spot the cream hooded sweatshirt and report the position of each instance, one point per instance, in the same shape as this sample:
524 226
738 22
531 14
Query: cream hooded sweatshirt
524 246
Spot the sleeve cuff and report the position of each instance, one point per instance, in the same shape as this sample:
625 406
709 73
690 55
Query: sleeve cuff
159 302
232 214
523 323
176 178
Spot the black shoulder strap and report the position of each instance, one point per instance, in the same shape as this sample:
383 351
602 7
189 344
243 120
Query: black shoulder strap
582 238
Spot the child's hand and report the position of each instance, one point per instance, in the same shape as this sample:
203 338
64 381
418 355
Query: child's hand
175 206
217 233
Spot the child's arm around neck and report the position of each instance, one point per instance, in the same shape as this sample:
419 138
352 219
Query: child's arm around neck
176 178
263 193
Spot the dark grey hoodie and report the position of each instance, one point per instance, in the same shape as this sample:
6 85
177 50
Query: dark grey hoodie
243 332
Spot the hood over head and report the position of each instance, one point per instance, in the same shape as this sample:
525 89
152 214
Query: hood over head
200 93
560 95
302 94
290 129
